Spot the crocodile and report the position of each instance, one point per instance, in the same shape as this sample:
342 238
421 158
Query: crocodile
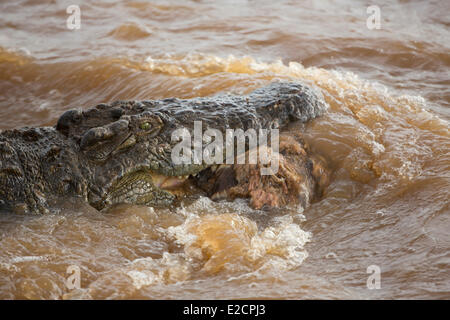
121 152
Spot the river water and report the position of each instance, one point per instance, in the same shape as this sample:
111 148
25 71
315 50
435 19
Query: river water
385 136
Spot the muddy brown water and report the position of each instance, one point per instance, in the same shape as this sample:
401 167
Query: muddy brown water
386 136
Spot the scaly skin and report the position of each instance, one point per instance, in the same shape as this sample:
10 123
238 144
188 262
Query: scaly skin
114 153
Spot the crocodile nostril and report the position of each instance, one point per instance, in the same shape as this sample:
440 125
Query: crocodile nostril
100 142
116 113
67 119
94 135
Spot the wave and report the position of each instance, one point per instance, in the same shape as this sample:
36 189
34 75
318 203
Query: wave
230 243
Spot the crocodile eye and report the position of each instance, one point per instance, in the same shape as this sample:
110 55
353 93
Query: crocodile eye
145 125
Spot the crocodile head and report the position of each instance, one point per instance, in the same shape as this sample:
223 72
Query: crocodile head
126 146
126 151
